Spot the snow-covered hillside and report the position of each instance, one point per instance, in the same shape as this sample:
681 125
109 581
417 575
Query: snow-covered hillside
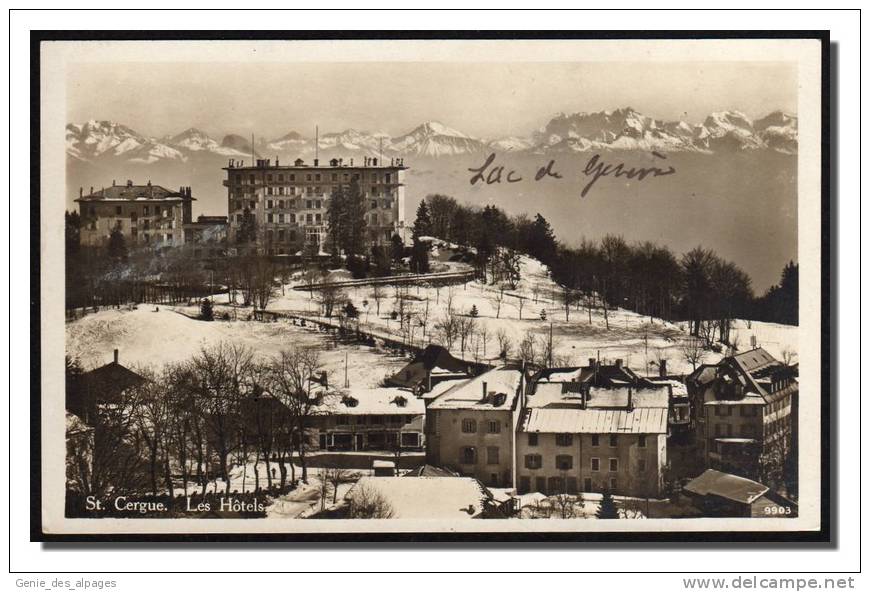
638 340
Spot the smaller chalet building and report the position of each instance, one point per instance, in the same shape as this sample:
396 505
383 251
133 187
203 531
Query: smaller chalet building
378 419
722 495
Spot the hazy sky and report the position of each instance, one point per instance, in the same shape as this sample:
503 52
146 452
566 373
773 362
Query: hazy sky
483 100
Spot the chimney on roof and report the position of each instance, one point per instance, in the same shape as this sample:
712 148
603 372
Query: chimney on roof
484 389
276 160
619 362
630 405
81 191
149 182
316 162
116 356
592 363
129 183
113 182
584 395
663 368
92 190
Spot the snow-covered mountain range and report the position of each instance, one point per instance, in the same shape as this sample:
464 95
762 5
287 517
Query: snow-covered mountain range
621 129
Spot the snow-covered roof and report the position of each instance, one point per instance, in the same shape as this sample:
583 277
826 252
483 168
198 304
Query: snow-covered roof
470 393
596 421
732 487
372 401
442 387
441 498
560 394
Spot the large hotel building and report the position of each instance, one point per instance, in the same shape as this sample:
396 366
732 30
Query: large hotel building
289 202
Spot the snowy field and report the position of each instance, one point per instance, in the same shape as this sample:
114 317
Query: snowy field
638 340
146 338
150 337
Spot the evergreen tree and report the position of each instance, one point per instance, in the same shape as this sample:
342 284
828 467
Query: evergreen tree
206 310
72 232
542 241
607 508
336 214
397 248
473 312
247 229
423 222
117 245
420 250
354 221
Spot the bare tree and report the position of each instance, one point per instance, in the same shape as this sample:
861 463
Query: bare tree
223 380
368 503
337 477
448 329
693 350
504 343
329 297
483 334
465 328
497 298
290 380
527 350
378 295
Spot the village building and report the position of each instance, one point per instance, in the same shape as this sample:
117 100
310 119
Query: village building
470 427
376 419
285 206
106 384
429 368
722 495
745 413
146 215
593 429
207 237
441 498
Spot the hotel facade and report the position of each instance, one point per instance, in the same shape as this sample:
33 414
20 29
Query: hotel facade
288 203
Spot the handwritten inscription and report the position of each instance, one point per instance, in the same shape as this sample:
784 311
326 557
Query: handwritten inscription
493 173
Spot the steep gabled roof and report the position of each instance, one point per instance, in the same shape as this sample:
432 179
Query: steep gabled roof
106 383
435 360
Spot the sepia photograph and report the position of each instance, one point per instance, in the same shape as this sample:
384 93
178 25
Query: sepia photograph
503 286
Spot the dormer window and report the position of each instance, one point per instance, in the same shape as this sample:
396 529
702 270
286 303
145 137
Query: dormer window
400 401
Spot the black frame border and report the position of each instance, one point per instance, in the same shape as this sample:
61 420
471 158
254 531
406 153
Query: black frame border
824 536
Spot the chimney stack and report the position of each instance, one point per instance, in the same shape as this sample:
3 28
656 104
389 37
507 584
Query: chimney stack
584 395
630 405
484 389
81 191
116 356
619 362
663 368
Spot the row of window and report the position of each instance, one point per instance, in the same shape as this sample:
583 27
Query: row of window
555 485
373 420
565 462
568 440
291 177
469 426
728 410
726 430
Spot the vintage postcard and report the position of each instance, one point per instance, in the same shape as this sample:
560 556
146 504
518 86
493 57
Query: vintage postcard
444 287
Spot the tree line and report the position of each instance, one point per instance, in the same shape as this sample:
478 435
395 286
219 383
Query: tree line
192 421
698 286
